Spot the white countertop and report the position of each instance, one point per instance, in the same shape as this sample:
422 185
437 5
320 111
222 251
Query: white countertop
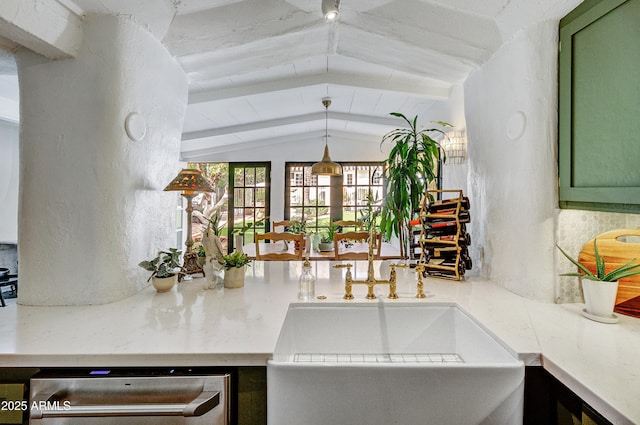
191 326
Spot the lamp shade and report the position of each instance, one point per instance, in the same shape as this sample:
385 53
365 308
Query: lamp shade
189 180
326 167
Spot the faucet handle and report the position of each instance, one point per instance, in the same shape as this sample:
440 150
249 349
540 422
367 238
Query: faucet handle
398 265
348 280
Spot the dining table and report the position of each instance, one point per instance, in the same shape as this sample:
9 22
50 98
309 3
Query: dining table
387 251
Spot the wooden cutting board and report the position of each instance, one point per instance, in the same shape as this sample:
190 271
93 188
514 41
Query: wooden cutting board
616 252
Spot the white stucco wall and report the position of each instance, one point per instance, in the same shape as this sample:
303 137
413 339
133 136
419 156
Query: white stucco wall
510 107
9 168
454 173
91 199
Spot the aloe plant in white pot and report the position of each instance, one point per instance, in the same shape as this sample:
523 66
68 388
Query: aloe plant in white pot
600 287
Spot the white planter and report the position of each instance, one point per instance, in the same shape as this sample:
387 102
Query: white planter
325 246
599 297
164 284
234 277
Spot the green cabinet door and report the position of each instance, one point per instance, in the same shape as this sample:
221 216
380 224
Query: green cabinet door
599 106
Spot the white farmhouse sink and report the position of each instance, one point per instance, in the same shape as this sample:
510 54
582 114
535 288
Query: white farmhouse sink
391 363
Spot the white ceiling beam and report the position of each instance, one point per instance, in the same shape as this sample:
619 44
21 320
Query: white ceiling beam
210 152
317 116
43 26
333 78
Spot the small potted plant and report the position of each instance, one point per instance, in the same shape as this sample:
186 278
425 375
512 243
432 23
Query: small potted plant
234 267
164 269
600 287
326 242
298 226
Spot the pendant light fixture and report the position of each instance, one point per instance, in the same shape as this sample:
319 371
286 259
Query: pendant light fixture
326 167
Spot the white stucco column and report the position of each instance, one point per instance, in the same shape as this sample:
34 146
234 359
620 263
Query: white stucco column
91 202
510 105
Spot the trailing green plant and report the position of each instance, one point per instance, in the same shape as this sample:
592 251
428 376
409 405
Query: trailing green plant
298 226
236 259
626 270
166 264
411 166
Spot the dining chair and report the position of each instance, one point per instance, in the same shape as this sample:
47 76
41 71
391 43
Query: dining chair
357 225
348 253
284 224
286 253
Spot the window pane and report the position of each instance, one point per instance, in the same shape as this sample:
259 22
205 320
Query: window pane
295 196
238 177
249 197
261 197
295 214
250 176
261 176
238 197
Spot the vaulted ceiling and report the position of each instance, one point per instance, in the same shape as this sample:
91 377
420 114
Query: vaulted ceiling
258 69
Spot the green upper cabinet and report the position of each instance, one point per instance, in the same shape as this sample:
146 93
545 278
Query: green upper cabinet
599 106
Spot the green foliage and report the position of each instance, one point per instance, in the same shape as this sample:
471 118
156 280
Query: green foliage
298 226
410 167
235 259
213 227
164 265
328 236
369 216
626 270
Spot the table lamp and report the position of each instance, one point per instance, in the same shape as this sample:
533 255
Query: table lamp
189 182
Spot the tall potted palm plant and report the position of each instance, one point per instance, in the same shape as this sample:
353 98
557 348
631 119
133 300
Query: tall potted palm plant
411 166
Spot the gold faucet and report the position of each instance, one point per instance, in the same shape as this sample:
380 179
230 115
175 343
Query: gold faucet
419 270
371 281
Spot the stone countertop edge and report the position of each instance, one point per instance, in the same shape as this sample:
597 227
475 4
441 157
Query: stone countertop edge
191 326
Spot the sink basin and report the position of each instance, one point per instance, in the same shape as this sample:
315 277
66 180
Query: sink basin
391 363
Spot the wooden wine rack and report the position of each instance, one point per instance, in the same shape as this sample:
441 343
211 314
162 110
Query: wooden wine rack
443 239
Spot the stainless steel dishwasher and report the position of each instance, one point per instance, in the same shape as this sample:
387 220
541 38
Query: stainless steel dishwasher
102 397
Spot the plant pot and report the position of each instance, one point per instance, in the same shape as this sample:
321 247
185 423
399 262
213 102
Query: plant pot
599 297
297 245
234 277
164 284
325 246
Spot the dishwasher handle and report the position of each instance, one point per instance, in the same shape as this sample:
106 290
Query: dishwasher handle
203 403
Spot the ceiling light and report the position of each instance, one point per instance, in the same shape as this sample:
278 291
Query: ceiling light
330 9
326 167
